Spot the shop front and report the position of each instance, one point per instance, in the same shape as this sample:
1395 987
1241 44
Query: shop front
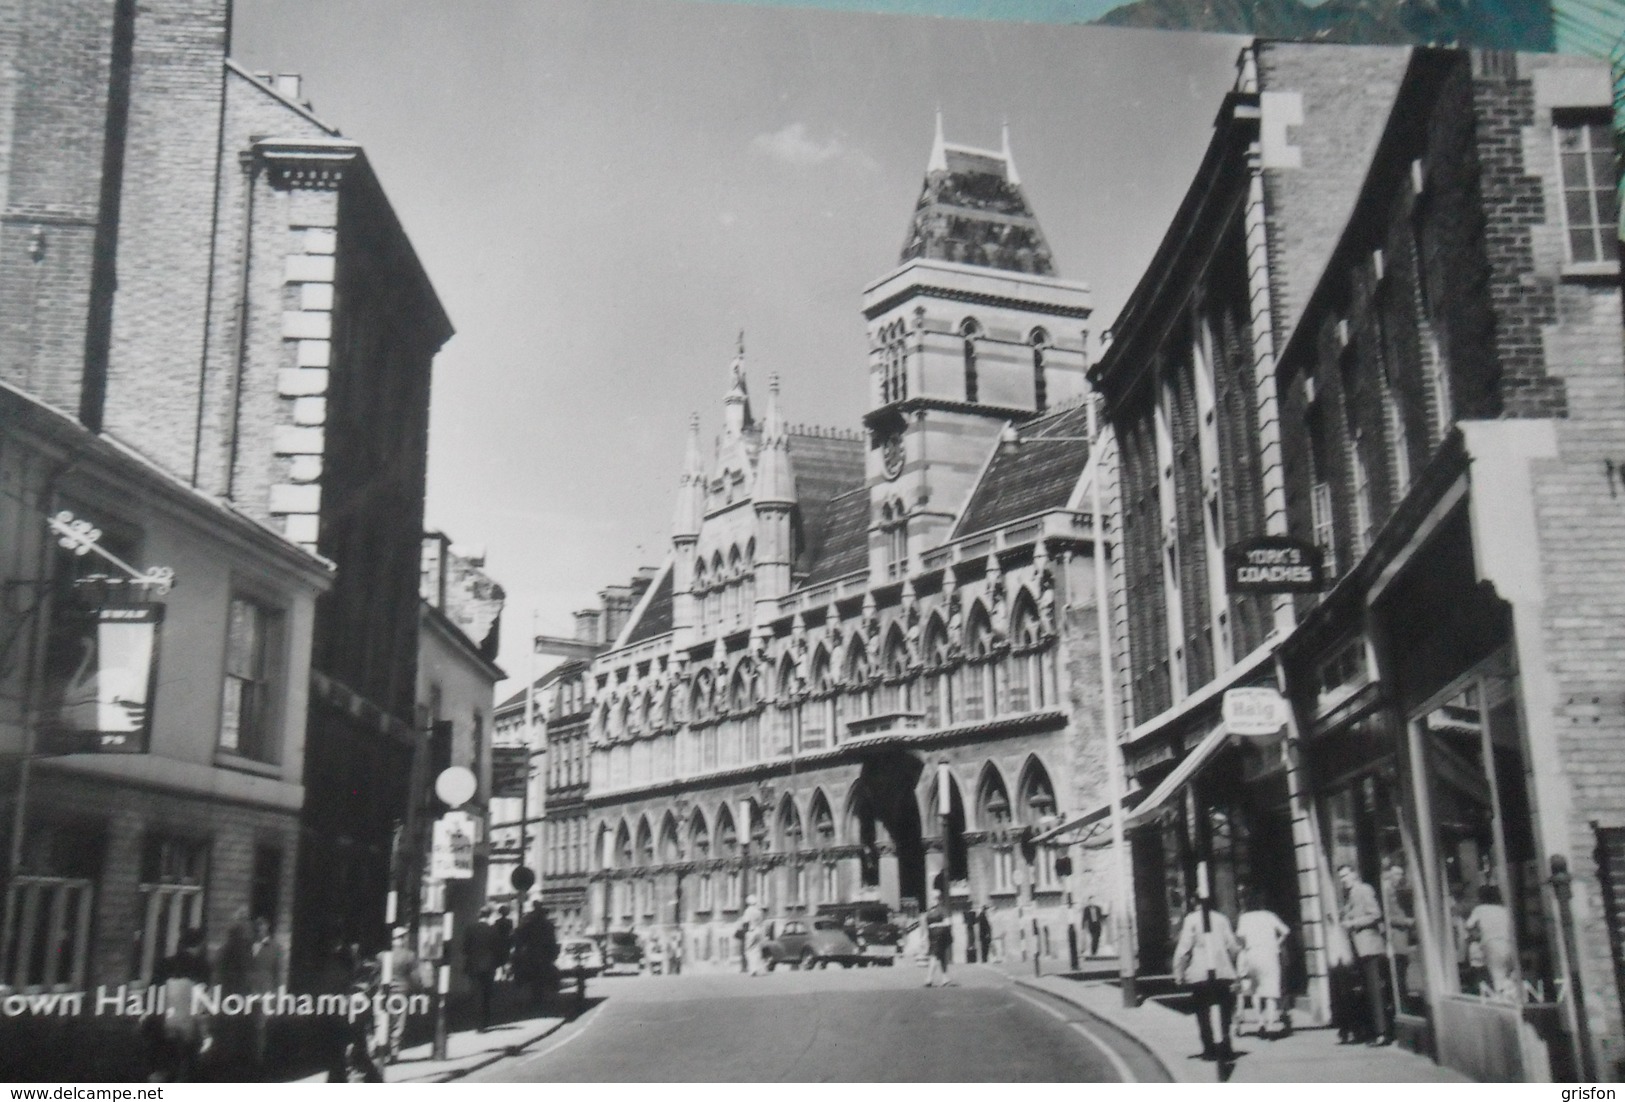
1223 800
1417 756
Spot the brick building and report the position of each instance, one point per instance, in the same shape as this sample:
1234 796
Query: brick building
856 629
155 801
192 261
1386 323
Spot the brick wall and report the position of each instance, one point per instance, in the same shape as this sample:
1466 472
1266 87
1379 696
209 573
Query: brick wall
1346 93
56 71
165 229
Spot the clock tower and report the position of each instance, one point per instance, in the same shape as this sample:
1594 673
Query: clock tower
973 331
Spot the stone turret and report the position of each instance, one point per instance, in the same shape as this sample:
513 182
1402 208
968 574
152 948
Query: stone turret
774 498
685 529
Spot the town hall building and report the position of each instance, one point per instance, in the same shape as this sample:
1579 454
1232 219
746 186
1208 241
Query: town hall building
869 667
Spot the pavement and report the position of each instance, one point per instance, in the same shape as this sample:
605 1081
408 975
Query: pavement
469 1049
1169 1035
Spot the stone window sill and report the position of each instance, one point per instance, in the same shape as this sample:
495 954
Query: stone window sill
225 759
1592 271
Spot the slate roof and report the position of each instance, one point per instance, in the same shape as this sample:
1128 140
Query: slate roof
839 543
1032 478
656 618
517 700
972 212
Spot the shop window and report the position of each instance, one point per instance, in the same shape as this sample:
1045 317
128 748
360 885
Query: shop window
173 876
1489 872
1585 148
50 902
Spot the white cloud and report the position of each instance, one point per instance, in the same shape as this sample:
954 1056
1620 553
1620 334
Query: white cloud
795 145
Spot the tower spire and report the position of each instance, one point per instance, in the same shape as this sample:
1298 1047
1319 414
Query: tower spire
775 480
690 511
736 404
939 148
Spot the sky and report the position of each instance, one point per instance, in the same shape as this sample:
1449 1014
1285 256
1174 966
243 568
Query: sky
606 192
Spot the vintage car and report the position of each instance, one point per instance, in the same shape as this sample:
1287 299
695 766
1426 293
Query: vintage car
869 923
804 943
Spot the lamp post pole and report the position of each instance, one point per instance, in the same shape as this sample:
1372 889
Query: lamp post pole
1124 918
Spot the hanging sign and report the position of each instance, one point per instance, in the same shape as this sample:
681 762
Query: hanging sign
1254 712
1274 564
101 670
510 769
452 857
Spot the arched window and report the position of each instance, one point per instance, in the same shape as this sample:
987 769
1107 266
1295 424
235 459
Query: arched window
896 692
993 812
816 708
671 842
781 739
1040 343
861 691
728 848
1036 805
976 673
789 829
699 836
1030 678
971 330
701 598
936 685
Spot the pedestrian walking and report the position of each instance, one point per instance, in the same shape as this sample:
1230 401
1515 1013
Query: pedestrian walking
754 924
400 973
180 1034
1261 934
1361 917
984 932
265 975
503 928
939 939
1490 927
482 953
1205 961
535 951
1094 920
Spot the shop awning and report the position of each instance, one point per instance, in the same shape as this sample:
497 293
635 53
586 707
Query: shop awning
1183 772
1085 825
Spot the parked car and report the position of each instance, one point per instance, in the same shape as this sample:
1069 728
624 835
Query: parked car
580 954
868 923
800 943
622 951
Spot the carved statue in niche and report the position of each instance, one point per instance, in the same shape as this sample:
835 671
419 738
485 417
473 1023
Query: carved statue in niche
870 622
837 655
1046 603
681 691
660 710
998 613
911 638
956 626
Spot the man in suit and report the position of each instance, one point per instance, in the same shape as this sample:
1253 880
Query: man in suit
1094 919
1361 917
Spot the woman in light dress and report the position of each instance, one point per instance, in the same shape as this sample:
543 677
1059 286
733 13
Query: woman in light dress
1490 928
1261 933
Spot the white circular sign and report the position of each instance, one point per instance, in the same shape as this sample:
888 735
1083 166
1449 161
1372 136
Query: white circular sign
455 786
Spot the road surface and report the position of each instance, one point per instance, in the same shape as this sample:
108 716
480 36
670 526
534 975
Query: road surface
858 1025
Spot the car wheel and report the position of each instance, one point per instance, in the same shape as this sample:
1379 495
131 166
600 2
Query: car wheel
772 963
808 959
